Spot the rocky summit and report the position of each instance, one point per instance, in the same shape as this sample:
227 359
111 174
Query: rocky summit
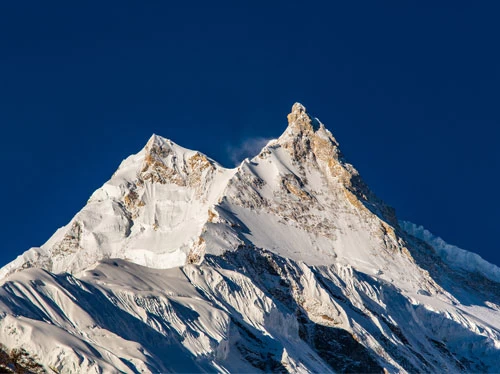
286 263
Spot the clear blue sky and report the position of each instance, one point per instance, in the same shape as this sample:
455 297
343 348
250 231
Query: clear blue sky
410 91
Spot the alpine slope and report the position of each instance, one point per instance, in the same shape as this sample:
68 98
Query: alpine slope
286 263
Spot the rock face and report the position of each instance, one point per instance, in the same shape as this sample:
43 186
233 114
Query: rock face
287 263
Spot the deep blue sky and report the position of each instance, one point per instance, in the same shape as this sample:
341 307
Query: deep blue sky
410 91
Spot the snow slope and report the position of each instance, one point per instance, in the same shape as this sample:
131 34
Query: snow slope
454 256
287 263
151 212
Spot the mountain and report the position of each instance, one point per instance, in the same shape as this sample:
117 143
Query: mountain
287 263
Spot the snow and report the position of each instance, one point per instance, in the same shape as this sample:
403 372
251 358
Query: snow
284 263
158 231
454 256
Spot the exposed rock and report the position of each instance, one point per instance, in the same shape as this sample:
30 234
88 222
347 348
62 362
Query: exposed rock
287 263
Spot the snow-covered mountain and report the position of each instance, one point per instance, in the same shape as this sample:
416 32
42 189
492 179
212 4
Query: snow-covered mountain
287 263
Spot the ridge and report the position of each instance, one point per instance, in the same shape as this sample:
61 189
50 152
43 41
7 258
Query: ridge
287 263
168 205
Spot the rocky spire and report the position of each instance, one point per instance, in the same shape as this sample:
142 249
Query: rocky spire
306 137
299 121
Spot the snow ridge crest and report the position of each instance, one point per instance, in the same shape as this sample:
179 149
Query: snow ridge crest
168 205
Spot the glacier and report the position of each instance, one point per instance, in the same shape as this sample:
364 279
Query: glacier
286 263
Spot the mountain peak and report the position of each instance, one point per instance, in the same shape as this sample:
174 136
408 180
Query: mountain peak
286 263
154 139
299 120
306 137
298 108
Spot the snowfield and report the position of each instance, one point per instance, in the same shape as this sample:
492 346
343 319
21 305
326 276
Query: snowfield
287 263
